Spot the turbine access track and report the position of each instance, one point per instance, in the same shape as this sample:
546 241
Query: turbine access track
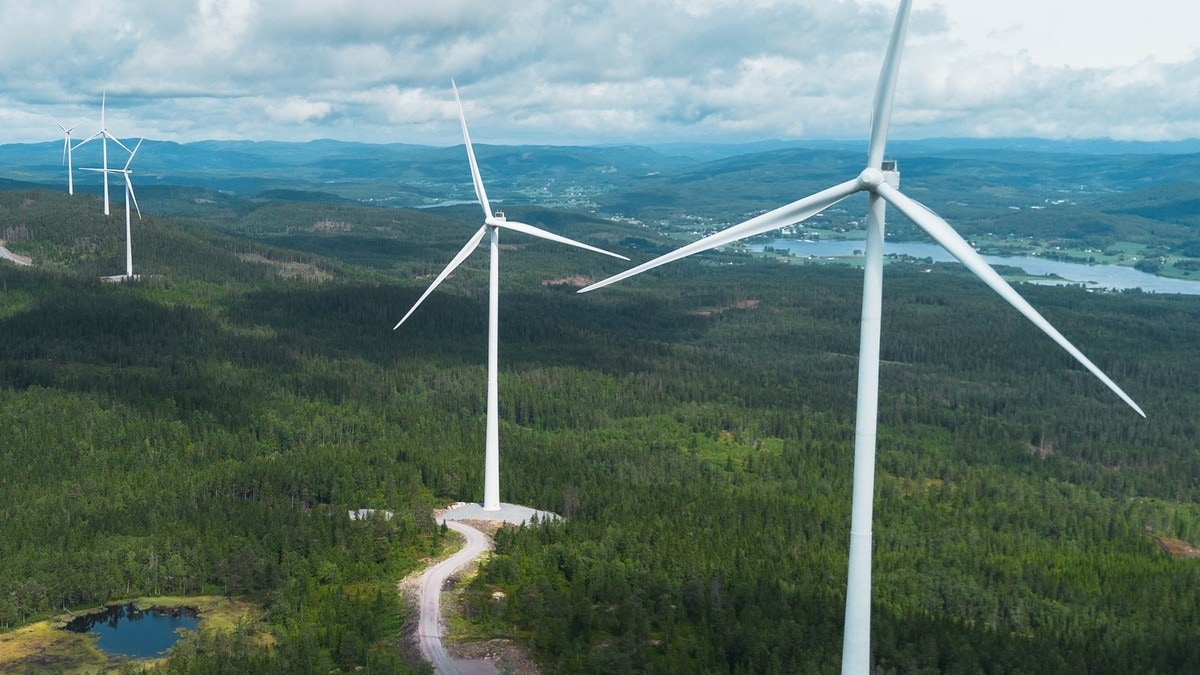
429 629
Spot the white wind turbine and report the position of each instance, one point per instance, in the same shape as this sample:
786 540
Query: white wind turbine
67 157
492 223
130 198
880 182
104 137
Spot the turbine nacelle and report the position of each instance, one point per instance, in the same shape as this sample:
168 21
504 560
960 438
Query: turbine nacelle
870 179
881 181
66 140
493 222
66 156
104 137
130 198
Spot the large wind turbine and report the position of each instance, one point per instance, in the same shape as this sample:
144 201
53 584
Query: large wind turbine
104 137
67 157
130 197
492 223
881 183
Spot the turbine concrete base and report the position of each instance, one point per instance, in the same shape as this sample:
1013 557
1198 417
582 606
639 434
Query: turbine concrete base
507 513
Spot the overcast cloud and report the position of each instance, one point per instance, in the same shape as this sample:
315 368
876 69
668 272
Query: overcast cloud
591 71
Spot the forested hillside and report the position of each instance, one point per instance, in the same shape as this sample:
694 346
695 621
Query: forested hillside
208 428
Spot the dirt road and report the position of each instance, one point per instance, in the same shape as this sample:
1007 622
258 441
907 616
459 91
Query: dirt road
429 629
9 255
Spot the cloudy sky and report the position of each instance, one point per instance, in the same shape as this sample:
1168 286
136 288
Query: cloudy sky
595 71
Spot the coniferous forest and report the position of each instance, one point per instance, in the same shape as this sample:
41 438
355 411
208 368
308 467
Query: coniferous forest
207 429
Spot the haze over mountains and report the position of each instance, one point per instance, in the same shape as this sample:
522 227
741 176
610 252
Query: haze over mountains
1147 193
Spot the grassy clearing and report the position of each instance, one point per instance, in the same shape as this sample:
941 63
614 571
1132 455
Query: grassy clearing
217 613
44 647
727 450
1176 548
460 627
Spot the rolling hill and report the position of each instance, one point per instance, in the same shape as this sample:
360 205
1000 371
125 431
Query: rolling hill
215 422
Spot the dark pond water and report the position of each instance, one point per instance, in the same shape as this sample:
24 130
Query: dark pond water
129 631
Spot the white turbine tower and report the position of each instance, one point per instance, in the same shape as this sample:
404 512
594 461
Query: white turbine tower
130 198
104 137
67 157
492 223
880 182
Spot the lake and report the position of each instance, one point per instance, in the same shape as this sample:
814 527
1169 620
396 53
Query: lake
139 634
1113 277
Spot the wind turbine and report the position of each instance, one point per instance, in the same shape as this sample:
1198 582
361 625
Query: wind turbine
104 137
492 224
67 157
880 181
130 197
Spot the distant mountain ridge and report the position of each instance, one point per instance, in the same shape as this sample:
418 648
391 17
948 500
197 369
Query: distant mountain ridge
1115 187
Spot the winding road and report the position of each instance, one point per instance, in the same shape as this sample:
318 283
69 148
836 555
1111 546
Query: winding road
9 255
429 629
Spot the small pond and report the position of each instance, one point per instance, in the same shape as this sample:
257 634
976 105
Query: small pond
136 633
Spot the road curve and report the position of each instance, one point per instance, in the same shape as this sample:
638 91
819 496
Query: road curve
429 629
18 259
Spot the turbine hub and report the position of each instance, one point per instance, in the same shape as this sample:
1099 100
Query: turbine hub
870 178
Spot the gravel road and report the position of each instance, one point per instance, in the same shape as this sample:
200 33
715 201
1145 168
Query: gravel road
429 629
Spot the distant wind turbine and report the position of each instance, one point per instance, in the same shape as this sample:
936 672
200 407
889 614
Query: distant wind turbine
104 137
880 181
492 223
130 198
67 157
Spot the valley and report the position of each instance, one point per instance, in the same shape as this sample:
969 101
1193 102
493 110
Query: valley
216 421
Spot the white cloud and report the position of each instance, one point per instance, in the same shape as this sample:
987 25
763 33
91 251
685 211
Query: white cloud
296 110
595 70
1078 33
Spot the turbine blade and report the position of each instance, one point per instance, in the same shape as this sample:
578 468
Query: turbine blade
131 154
480 193
795 212
66 140
885 91
132 196
86 168
950 240
539 232
467 250
89 139
116 140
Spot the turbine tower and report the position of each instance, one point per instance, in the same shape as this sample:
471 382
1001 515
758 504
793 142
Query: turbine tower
492 224
104 137
67 157
130 197
880 181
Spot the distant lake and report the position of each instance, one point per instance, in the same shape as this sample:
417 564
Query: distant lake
139 634
1113 277
456 202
